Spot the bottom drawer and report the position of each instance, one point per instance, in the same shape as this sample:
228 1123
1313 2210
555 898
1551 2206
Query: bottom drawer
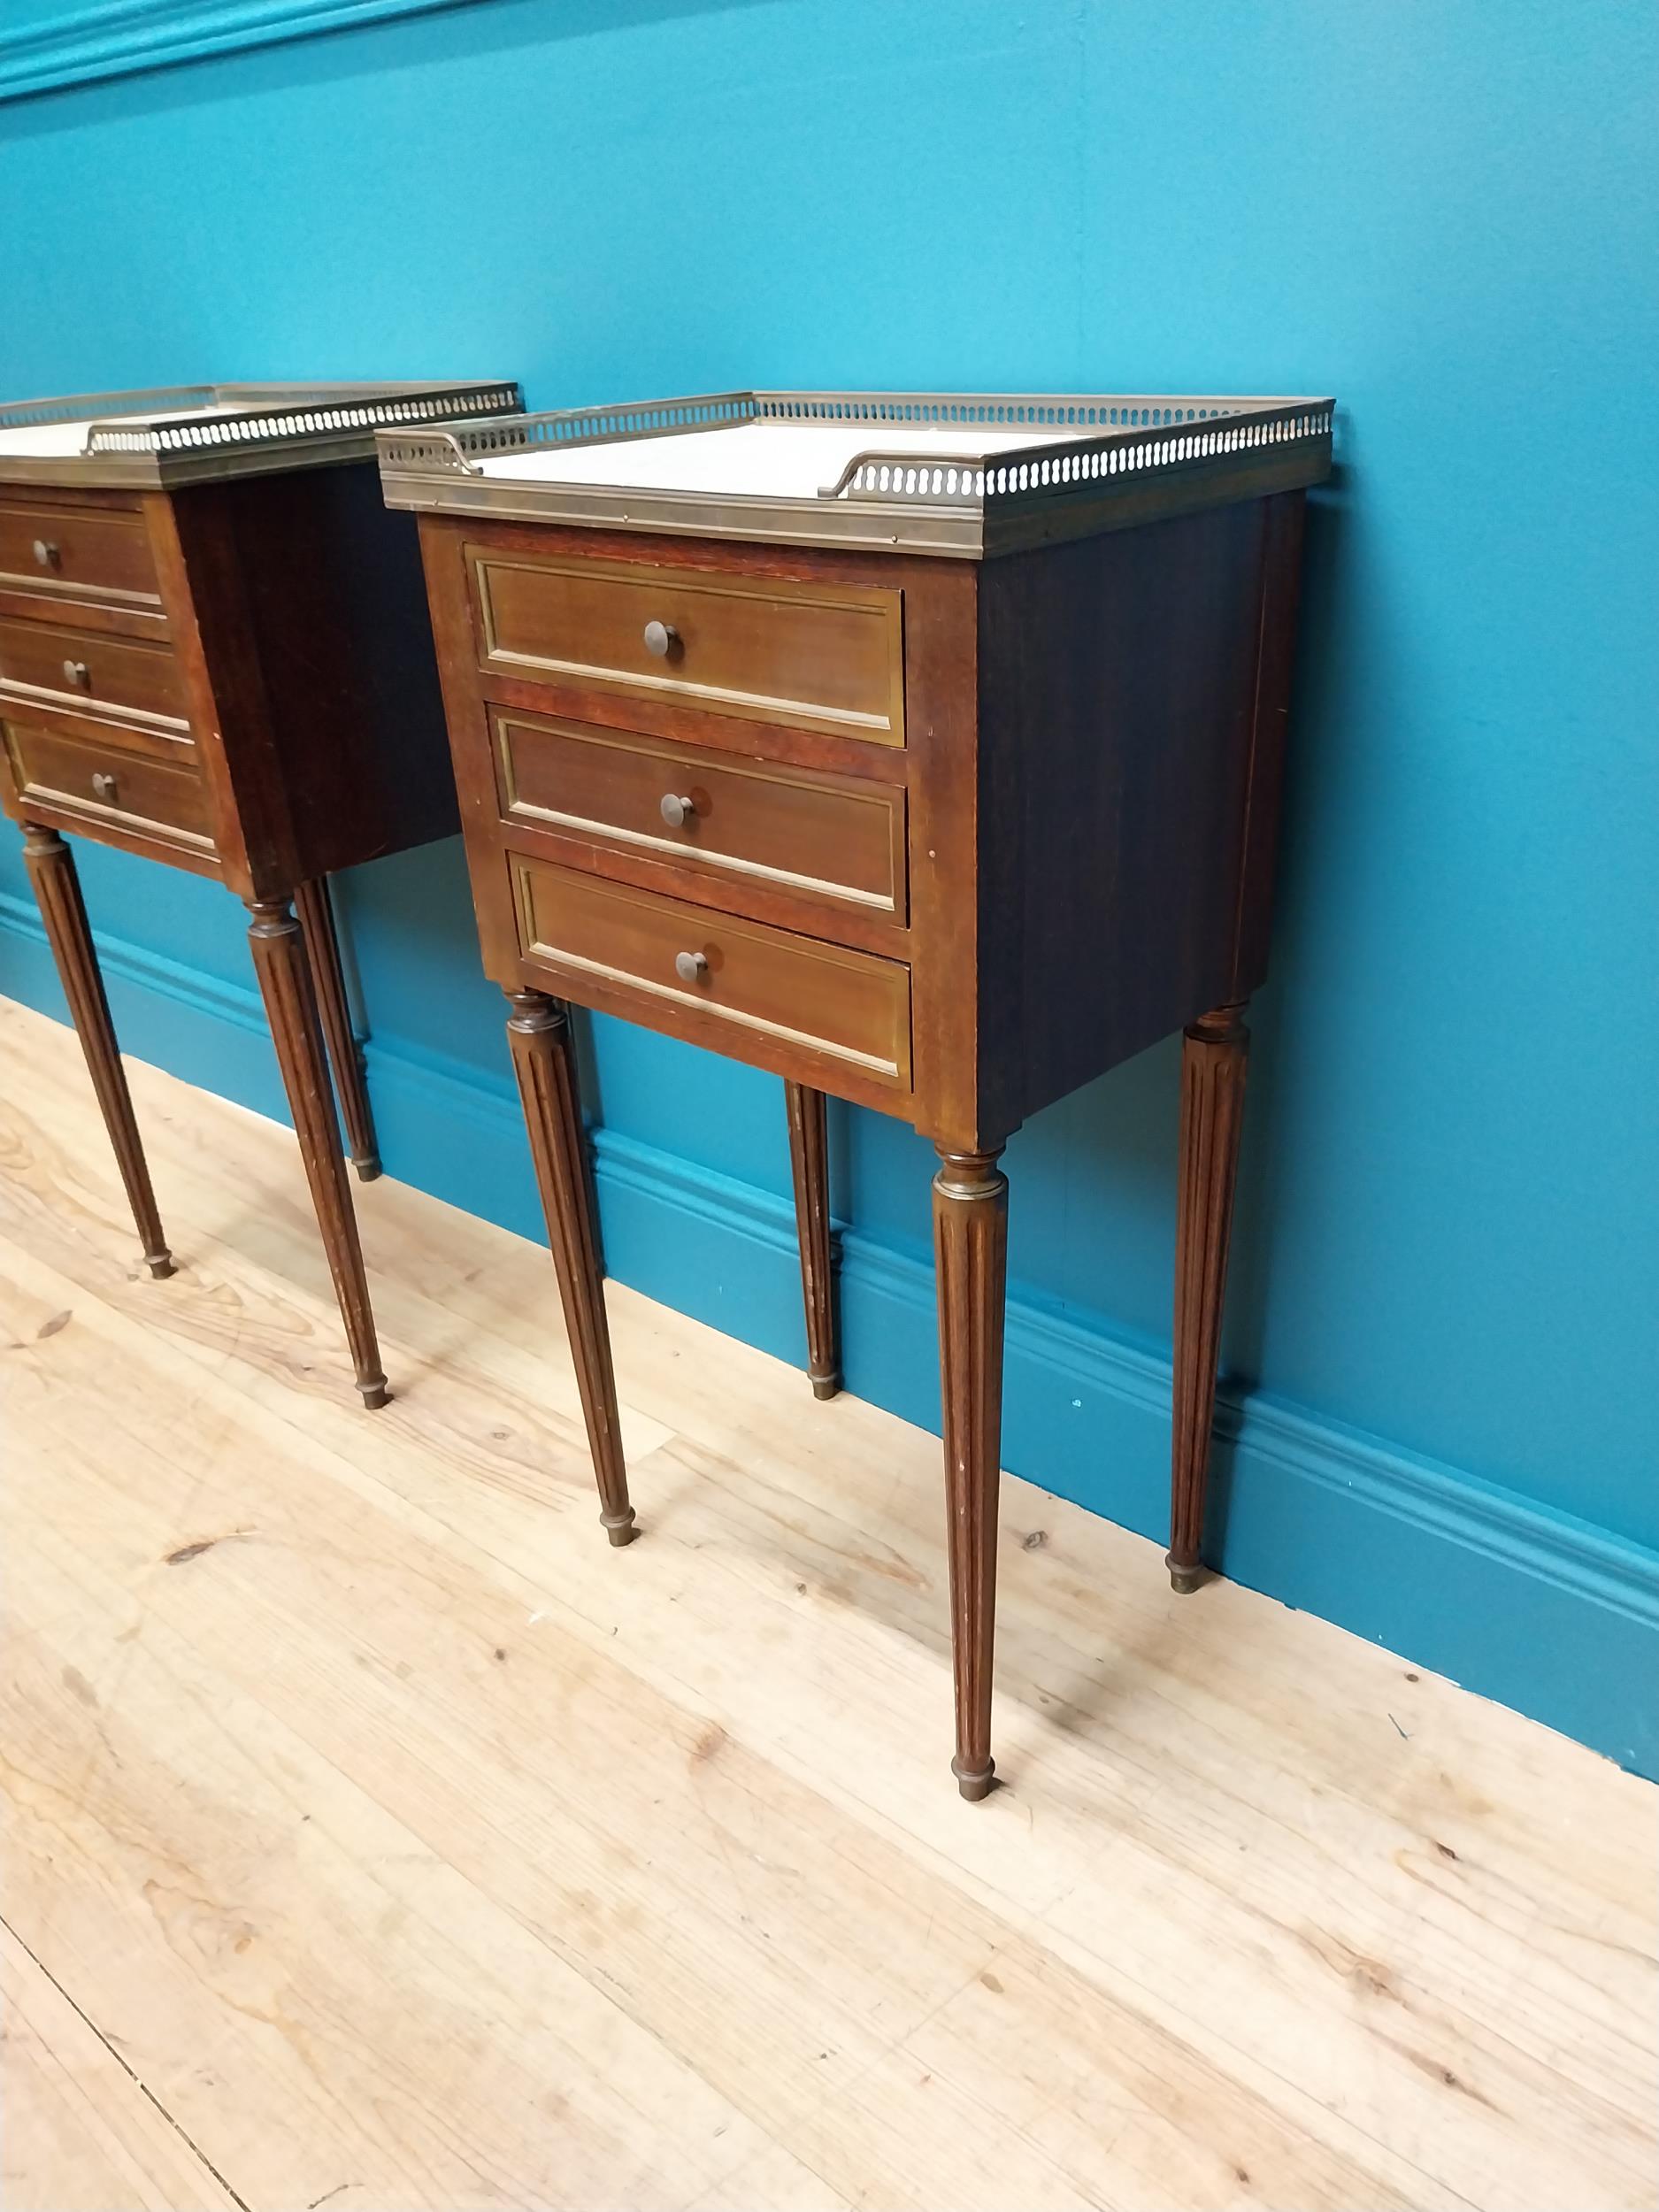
129 783
848 1004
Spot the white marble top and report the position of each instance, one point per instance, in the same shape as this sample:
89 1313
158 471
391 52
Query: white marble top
764 460
63 440
45 440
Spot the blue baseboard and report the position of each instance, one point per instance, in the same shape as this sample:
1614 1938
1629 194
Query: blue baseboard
122 38
1543 1612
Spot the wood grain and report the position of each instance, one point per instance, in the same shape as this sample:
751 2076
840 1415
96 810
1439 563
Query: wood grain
970 1255
284 970
544 1063
97 549
88 669
82 2133
314 910
819 656
50 865
807 1113
1215 1057
148 786
412 1849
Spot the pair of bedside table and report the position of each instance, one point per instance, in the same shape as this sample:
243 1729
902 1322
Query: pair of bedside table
923 749
214 652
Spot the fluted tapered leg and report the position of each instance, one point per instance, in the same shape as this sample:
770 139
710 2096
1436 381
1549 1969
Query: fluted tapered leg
285 984
51 870
808 1157
315 909
1214 1055
544 1062
971 1251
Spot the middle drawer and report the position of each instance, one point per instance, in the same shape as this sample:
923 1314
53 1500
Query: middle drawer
88 673
835 837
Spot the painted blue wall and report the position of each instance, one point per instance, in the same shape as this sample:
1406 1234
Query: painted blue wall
1442 1324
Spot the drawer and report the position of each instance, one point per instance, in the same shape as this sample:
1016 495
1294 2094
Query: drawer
819 656
84 552
793 990
833 837
86 672
132 779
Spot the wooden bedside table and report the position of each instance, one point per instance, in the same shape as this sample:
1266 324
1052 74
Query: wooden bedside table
214 651
923 749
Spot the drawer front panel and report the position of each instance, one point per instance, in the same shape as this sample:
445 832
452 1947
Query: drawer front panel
85 672
835 837
848 1004
820 657
137 786
80 552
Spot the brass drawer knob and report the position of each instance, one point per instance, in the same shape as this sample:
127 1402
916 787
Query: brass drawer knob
77 675
677 813
691 967
46 554
661 639
103 787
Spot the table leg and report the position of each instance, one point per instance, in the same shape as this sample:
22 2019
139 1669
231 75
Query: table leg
1214 1053
291 1004
51 872
971 1251
315 909
809 1158
544 1062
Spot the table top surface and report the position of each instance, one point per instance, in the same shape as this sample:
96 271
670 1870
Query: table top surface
185 434
924 471
756 460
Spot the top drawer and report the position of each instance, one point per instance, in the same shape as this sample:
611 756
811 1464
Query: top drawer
74 551
816 656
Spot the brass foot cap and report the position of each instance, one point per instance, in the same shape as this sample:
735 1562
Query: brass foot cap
160 1265
978 1783
368 1168
620 1531
826 1385
1184 1578
375 1395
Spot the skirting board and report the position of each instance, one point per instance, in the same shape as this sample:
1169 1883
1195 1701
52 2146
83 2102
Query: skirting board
1543 1612
122 38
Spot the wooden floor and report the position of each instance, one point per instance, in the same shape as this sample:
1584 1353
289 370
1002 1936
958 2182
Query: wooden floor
380 1837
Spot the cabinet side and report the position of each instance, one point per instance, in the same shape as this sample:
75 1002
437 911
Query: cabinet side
336 603
1123 865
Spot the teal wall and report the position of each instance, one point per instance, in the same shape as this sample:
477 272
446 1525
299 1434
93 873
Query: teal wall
1442 1333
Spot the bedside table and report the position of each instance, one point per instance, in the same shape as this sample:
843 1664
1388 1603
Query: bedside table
214 652
924 749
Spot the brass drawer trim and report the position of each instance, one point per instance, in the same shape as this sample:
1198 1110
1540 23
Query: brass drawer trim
87 708
32 584
85 546
534 947
94 810
875 603
888 799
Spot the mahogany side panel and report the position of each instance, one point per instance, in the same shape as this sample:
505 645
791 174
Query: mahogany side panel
335 614
1117 706
1282 523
